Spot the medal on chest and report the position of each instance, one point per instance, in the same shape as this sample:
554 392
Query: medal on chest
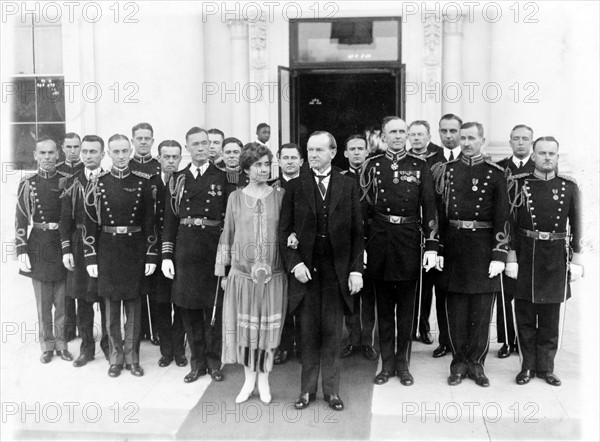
212 190
474 188
394 167
555 192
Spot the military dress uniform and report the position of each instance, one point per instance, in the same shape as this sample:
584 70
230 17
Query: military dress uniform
474 231
80 285
169 324
38 203
149 166
194 216
70 169
542 205
400 202
510 285
119 235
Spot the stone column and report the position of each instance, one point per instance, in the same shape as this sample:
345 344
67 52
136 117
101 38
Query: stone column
239 108
452 65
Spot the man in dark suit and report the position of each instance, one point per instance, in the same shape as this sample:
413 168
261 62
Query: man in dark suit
419 136
80 285
194 215
322 208
521 140
168 322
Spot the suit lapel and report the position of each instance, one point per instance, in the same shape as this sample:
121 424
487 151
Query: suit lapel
309 191
336 184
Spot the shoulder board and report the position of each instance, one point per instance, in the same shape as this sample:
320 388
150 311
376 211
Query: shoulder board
28 176
518 176
375 157
141 174
412 155
567 177
60 164
65 174
491 163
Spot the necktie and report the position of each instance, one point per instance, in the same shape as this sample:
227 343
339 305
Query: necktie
520 164
321 185
198 173
451 156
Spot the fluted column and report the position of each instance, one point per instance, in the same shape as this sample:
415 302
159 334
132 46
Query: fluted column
452 65
239 107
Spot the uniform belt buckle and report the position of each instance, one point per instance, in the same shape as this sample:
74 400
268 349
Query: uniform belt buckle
544 236
395 219
53 226
122 229
468 224
197 221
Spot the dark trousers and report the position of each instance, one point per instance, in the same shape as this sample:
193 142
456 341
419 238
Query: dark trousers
538 334
505 310
50 329
291 334
321 325
442 317
146 331
395 312
128 351
170 329
204 340
361 323
469 316
85 317
70 319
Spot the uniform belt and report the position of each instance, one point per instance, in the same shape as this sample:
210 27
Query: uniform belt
471 224
199 222
544 236
121 229
46 226
396 219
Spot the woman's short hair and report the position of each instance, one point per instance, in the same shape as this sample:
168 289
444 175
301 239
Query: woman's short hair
251 153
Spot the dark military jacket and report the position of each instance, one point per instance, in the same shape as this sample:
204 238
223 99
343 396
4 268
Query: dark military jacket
121 200
544 203
433 155
157 285
472 189
68 169
194 247
38 203
148 165
398 185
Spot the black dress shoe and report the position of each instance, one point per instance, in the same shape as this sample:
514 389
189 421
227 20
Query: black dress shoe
135 369
334 401
82 360
370 353
347 351
46 357
65 355
115 370
549 377
165 361
281 357
383 376
504 351
454 379
304 400
480 379
426 338
216 374
194 375
406 378
514 348
442 350
181 361
525 376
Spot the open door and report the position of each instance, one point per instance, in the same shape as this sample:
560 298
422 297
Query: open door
285 104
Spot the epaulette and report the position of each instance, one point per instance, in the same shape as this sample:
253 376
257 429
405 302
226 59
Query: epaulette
415 156
141 174
365 165
491 163
28 176
568 178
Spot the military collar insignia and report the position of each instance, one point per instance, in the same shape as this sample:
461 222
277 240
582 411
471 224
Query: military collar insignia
543 175
142 159
397 156
472 161
47 173
72 164
120 173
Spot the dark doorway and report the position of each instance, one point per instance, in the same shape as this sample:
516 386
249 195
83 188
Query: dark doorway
344 104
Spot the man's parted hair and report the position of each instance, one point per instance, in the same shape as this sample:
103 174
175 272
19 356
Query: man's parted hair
547 138
141 126
251 153
116 137
195 130
290 146
168 143
355 137
452 117
45 138
332 142
214 130
421 123
71 135
93 139
229 140
386 120
471 124
522 126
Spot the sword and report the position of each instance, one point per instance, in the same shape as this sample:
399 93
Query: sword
417 331
149 317
563 306
214 312
512 308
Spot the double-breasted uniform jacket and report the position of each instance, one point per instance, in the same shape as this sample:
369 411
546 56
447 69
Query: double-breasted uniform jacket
148 165
38 203
473 192
68 169
541 207
299 215
119 231
79 284
400 203
201 203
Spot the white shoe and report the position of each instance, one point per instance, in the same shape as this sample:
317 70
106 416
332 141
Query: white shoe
244 395
263 388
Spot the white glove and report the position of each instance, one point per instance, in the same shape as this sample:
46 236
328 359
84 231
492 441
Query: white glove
429 260
224 282
355 284
24 263
69 262
576 272
439 264
150 268
512 270
92 270
496 267
302 273
168 268
292 241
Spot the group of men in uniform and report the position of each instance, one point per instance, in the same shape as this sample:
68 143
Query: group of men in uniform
443 217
